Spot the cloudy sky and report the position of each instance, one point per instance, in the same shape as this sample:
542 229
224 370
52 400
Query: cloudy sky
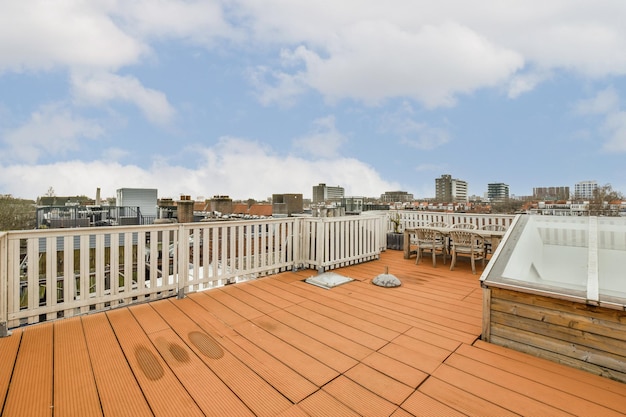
250 98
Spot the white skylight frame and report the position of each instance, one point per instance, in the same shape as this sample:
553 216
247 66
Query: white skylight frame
576 258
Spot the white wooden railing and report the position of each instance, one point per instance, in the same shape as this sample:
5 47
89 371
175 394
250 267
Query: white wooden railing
47 274
413 218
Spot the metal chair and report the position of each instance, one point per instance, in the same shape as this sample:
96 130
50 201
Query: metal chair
430 240
467 243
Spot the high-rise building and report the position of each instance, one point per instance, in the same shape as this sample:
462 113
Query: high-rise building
323 193
551 193
497 192
450 190
396 197
585 189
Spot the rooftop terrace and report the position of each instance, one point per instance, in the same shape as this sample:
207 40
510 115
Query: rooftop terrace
277 346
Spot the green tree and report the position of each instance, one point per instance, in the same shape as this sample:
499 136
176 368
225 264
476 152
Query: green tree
16 214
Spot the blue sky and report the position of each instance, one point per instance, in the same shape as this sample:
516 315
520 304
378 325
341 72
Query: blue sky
248 99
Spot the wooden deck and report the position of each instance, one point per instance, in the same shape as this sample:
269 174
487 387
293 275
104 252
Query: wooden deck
280 347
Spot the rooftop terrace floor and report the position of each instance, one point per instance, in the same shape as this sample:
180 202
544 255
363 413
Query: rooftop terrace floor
278 346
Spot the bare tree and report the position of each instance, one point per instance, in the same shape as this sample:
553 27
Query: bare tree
16 214
600 204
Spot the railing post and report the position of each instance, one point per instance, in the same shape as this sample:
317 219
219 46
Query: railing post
182 276
4 285
295 238
319 244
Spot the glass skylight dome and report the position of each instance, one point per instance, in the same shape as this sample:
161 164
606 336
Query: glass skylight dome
581 259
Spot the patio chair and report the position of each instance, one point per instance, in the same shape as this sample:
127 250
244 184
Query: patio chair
430 240
438 224
467 243
465 226
488 242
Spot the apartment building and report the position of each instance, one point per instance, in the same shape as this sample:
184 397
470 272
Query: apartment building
323 193
448 189
497 192
585 190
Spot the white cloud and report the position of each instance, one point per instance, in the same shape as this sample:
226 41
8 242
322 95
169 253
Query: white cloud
40 34
52 130
605 101
201 21
413 133
101 34
615 127
375 60
236 167
370 51
114 154
323 142
100 88
275 87
524 82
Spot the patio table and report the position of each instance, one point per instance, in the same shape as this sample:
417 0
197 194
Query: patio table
494 235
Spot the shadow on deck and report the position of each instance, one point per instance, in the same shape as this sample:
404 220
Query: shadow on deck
280 347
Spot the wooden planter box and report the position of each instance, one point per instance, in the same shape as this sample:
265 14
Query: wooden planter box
583 336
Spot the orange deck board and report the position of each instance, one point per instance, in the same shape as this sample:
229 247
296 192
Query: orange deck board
209 392
460 400
246 293
279 347
558 373
229 364
322 404
8 354
490 390
358 398
160 386
75 391
420 404
396 369
334 340
308 343
375 381
275 297
119 393
310 313
30 390
579 396
309 367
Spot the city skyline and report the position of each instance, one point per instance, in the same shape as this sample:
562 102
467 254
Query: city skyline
500 189
209 97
